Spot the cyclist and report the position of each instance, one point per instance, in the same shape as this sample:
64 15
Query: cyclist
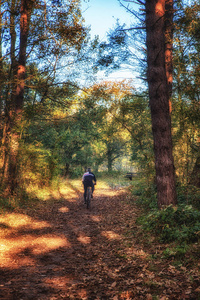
88 179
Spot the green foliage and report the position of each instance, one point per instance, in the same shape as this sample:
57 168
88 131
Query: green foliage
70 128
20 199
114 179
146 195
114 52
179 224
37 165
175 224
178 251
185 114
5 203
189 195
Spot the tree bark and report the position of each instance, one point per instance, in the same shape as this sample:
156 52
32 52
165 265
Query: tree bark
14 107
195 176
1 68
26 7
169 47
109 157
9 99
159 101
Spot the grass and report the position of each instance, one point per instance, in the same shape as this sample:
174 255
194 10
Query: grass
115 180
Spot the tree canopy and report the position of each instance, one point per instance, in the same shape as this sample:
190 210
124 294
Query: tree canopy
57 118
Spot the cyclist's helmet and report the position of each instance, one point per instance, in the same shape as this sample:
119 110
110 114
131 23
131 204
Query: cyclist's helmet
89 169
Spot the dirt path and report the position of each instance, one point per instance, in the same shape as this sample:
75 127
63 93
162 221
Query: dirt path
61 250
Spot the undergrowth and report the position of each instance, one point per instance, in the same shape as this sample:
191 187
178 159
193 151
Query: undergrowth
114 179
179 225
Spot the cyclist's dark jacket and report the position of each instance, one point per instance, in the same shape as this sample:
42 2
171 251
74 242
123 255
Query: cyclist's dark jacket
88 179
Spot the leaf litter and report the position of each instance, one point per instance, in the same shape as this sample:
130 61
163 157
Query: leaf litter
76 253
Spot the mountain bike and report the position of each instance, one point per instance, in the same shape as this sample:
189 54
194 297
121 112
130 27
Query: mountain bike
88 196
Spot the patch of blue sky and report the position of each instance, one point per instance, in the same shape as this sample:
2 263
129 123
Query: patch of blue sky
101 16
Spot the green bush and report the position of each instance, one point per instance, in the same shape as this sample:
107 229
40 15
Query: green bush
37 165
171 224
146 195
189 195
76 172
179 224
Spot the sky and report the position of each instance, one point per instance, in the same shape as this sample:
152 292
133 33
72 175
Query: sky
101 15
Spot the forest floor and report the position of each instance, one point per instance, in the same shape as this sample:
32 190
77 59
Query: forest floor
58 249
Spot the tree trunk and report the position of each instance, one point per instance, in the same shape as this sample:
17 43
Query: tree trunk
109 157
9 100
67 169
26 7
195 176
1 70
14 106
169 47
159 101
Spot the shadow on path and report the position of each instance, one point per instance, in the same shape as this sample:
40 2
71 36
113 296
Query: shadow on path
61 250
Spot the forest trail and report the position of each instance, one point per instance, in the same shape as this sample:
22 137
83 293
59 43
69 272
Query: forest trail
60 250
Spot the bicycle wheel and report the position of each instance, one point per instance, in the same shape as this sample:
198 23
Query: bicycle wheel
88 198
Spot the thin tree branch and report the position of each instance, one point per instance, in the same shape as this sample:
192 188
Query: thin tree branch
132 28
130 11
135 1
